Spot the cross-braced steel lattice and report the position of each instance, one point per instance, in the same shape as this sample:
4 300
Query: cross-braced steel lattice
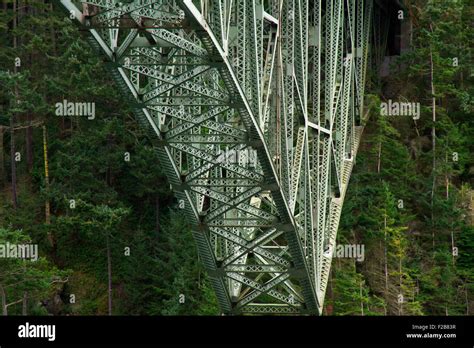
256 109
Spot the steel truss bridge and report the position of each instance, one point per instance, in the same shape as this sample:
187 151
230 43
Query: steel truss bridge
280 79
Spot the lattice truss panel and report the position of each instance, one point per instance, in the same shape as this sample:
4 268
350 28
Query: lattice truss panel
255 109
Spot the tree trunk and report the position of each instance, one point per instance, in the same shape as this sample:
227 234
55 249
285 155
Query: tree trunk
467 301
329 307
4 301
25 304
157 214
433 136
13 163
447 178
452 246
379 159
385 253
46 177
2 159
109 273
108 173
12 119
401 291
29 145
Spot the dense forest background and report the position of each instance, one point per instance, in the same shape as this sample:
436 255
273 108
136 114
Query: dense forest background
112 239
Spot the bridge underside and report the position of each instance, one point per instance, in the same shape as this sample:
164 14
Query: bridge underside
256 111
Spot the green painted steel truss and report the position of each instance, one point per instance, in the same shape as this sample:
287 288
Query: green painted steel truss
256 111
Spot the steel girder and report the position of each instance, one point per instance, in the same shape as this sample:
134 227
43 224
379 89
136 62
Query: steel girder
255 108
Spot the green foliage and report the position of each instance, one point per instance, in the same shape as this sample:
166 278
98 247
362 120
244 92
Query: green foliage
153 255
18 276
396 163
